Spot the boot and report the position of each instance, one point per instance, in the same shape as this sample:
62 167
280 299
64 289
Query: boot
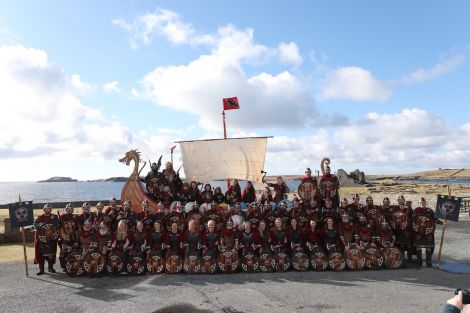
62 262
428 258
51 266
419 254
41 268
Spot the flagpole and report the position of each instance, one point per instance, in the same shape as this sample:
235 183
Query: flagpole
23 237
225 126
449 191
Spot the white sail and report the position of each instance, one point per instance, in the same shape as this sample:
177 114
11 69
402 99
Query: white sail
219 159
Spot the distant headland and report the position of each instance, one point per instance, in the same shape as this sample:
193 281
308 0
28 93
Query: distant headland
58 179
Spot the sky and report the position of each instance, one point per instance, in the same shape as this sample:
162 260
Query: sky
383 86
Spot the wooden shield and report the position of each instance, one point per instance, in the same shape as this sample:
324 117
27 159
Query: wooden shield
173 263
423 225
374 258
300 260
94 263
136 265
74 264
319 261
266 262
192 263
399 221
307 190
115 263
336 261
155 264
393 257
282 261
228 261
249 262
355 260
208 264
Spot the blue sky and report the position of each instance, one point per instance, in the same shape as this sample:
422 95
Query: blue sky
382 86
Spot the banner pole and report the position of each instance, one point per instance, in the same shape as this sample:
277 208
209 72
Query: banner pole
449 191
23 237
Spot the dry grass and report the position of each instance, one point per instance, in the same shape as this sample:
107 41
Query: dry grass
13 252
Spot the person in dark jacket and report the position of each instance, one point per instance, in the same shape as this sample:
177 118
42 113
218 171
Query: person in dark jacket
454 304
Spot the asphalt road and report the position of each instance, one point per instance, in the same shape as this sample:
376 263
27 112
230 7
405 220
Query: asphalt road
406 290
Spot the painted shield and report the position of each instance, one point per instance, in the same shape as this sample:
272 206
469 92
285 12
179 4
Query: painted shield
266 262
282 261
355 260
136 265
74 264
393 257
155 264
249 262
374 258
307 190
300 260
336 261
192 263
48 232
228 261
115 263
319 261
208 264
173 263
423 225
94 263
399 221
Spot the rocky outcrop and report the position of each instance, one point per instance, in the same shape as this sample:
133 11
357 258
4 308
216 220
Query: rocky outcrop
58 179
354 178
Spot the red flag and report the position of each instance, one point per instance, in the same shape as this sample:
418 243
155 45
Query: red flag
231 103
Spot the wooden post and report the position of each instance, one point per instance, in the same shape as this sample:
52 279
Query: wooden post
449 191
23 236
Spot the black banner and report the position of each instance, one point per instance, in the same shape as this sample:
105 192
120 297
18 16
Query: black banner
21 214
448 208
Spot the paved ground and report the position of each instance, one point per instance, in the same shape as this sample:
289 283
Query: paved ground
405 290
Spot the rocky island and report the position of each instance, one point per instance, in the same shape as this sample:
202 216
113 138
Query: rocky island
58 179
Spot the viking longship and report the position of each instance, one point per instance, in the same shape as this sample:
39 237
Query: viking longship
204 161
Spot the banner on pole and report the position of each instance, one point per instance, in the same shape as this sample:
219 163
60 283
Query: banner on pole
448 208
21 214
231 103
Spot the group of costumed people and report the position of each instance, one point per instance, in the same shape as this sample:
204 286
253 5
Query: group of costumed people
208 231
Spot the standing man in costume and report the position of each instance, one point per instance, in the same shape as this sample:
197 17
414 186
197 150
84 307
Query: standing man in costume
68 234
47 227
329 183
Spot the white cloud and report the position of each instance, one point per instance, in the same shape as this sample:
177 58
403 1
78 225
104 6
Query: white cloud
289 53
42 114
354 83
407 141
111 87
447 65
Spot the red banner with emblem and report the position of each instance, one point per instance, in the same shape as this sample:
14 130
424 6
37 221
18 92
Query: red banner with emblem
231 103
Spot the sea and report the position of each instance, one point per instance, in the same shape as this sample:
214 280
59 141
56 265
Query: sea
79 191
91 191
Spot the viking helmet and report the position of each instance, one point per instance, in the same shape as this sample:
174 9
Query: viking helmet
47 206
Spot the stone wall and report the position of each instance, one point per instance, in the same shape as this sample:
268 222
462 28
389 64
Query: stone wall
13 234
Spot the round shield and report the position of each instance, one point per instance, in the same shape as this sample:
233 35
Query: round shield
249 262
423 225
300 261
192 264
174 263
228 261
319 261
47 232
208 264
136 265
374 258
393 257
68 230
282 261
355 260
307 190
155 264
336 261
115 263
94 263
399 221
266 262
74 264
148 223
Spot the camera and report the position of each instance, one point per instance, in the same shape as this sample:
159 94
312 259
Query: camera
466 295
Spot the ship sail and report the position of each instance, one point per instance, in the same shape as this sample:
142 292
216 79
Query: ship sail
219 159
